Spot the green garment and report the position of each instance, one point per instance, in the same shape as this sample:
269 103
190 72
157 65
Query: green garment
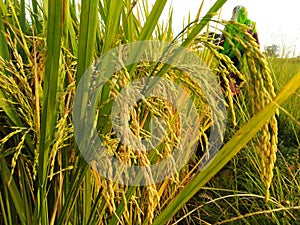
240 15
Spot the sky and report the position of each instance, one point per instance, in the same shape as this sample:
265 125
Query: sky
278 22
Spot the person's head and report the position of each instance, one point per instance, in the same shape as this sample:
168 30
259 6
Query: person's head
239 14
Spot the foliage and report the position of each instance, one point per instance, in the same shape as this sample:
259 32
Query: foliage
272 51
44 178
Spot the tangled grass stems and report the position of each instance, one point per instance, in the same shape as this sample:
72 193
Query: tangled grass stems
258 213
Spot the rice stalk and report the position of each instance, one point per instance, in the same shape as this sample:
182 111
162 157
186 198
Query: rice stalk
260 88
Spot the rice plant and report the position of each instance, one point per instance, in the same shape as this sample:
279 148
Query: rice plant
45 49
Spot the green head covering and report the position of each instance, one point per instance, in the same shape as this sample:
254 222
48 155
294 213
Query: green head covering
239 14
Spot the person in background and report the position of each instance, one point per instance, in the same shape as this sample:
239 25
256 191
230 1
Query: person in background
240 15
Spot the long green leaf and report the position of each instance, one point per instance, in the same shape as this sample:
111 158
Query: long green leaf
149 27
130 22
152 20
5 213
111 12
112 23
87 36
25 191
22 16
229 150
111 15
3 44
203 22
87 44
74 189
70 33
13 190
49 112
36 22
87 39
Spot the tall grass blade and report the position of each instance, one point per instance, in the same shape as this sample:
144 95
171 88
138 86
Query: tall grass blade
86 48
152 20
130 26
203 22
22 16
3 45
148 28
111 12
37 25
49 112
73 193
87 39
70 21
87 36
112 23
13 191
